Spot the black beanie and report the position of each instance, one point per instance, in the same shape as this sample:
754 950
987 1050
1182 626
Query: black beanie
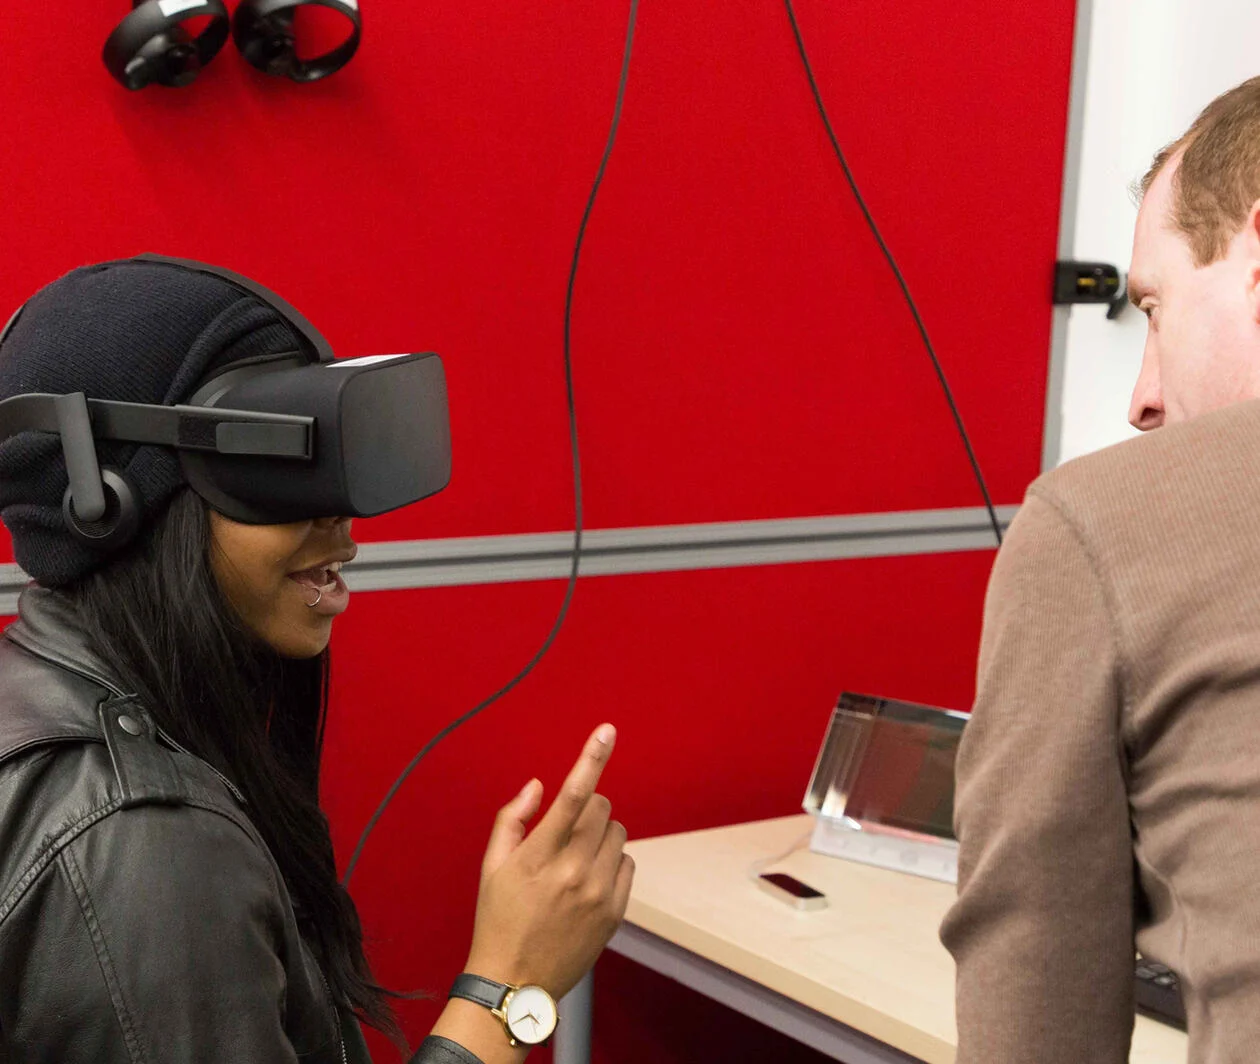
139 332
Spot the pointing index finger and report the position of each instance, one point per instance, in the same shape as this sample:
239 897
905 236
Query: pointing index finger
556 826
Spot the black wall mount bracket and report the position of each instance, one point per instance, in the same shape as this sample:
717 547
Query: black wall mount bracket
1089 282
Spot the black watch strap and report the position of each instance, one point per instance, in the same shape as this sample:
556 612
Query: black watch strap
483 991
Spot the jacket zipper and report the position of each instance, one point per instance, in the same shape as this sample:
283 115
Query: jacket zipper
341 1042
223 779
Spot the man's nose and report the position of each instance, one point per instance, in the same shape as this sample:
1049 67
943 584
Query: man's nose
1146 408
1145 415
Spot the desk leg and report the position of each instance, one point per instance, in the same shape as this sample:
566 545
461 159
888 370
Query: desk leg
572 1041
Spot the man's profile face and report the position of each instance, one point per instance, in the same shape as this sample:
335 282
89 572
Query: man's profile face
1202 341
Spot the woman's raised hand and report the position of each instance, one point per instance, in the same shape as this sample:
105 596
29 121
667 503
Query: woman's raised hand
551 899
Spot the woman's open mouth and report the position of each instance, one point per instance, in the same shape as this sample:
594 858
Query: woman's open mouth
324 590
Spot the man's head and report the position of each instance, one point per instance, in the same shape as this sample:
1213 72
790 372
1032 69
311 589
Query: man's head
1195 271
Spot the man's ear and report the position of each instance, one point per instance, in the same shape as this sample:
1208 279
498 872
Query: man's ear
1251 249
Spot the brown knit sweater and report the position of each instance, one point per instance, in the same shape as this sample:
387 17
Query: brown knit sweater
1109 779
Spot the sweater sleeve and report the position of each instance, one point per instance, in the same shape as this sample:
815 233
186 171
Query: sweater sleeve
1042 929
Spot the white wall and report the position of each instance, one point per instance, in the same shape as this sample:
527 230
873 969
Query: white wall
1153 65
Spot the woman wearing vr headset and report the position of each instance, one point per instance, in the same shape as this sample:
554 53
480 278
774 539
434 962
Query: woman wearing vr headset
167 884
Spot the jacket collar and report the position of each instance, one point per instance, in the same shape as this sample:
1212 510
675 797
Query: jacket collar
54 687
51 682
49 627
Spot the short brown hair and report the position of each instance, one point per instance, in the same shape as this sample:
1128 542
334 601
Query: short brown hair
1218 178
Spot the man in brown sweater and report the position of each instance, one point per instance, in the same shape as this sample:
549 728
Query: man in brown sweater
1109 779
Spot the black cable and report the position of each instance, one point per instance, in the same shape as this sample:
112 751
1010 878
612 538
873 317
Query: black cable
577 470
905 289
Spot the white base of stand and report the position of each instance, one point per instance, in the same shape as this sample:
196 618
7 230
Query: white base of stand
927 857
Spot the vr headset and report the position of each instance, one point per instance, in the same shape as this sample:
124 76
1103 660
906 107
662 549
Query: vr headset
283 438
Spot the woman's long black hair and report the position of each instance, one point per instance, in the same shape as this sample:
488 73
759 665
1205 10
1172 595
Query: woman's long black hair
157 616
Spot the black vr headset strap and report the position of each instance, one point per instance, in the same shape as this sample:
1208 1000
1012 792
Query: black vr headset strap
101 506
316 346
81 421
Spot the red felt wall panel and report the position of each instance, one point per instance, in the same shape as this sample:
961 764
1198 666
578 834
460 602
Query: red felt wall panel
721 682
741 350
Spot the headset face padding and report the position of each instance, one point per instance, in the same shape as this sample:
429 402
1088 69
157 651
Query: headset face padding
151 45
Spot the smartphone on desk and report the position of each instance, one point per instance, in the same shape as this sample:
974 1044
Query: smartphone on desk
792 891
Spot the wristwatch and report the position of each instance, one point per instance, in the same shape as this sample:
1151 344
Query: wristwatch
528 1013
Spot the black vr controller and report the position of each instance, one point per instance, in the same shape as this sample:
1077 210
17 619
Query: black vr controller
288 437
152 46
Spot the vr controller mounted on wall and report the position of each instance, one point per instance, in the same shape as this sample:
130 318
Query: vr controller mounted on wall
290 437
153 45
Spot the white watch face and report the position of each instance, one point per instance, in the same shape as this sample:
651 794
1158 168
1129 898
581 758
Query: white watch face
531 1015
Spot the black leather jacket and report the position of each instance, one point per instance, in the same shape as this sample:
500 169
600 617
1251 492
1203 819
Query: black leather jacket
142 918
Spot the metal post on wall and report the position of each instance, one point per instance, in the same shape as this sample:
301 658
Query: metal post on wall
1052 434
572 1041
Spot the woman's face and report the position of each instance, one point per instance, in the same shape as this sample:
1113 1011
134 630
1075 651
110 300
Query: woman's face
283 580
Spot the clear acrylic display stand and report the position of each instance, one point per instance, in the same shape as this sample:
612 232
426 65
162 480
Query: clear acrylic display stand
931 858
882 790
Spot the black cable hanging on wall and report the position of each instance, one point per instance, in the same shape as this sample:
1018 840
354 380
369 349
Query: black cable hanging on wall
572 408
577 468
892 263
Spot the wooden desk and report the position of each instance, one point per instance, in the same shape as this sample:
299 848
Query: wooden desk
865 980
